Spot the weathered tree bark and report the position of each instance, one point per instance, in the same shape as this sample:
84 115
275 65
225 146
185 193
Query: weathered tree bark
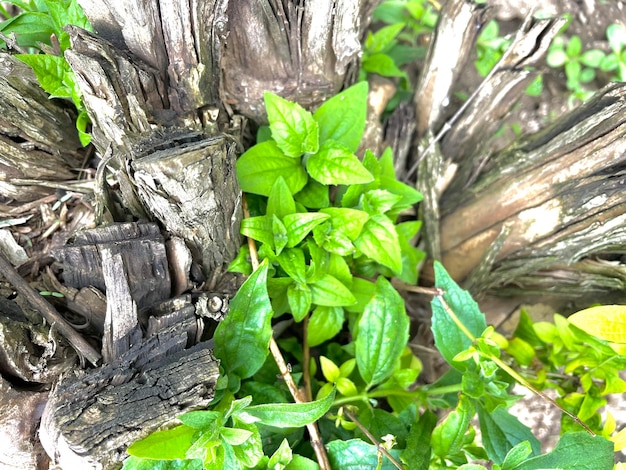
535 216
38 139
168 87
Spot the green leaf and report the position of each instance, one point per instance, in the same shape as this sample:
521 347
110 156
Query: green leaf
330 371
383 332
324 324
328 291
616 34
202 419
575 451
292 262
235 436
280 237
450 340
383 39
382 64
574 47
314 195
354 454
342 117
556 58
379 201
289 415
592 58
164 445
411 256
517 455
301 463
346 221
259 228
418 451
260 166
300 224
280 202
336 164
241 264
242 338
379 241
447 438
30 28
135 463
250 451
281 457
299 297
607 322
333 241
51 72
64 12
293 128
363 290
502 431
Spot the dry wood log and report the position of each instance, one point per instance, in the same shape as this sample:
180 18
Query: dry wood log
38 139
90 420
557 194
142 248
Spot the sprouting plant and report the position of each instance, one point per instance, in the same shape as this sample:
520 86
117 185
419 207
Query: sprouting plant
397 44
616 60
580 66
38 33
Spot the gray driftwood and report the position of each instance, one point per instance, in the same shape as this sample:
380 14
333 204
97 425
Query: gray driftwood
38 139
545 214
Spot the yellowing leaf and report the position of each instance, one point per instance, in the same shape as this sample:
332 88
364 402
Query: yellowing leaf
607 322
619 440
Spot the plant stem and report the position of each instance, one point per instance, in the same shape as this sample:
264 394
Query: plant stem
285 370
306 356
370 436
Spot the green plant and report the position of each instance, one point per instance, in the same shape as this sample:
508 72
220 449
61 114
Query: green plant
616 60
39 30
330 235
398 43
580 66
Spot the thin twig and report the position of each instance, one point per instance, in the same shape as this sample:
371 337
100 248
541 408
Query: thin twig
370 436
285 370
306 355
82 347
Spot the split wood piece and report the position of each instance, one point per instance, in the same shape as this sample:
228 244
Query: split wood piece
192 189
216 54
38 138
142 249
47 311
90 421
466 141
451 48
558 194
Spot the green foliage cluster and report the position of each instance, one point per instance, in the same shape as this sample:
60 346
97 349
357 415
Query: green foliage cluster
330 234
38 29
581 368
399 43
582 66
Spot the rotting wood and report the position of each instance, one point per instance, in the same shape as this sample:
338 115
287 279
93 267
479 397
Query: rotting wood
90 420
560 191
38 138
48 312
142 248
